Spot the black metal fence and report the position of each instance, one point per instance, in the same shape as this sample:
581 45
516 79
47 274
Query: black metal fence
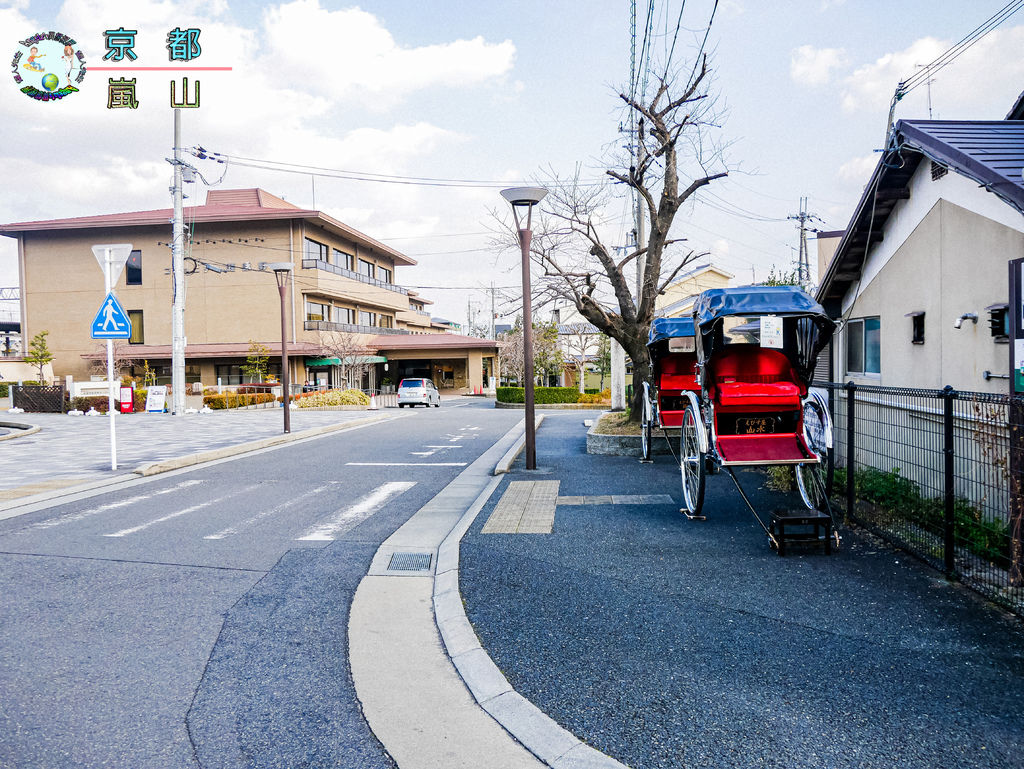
44 398
938 473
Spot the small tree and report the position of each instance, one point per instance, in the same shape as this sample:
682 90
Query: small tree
258 362
352 354
39 354
604 357
123 359
510 353
547 352
579 342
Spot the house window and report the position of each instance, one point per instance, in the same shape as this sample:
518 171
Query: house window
386 321
999 322
316 250
367 318
133 269
863 346
342 315
138 334
343 259
384 274
366 268
317 311
917 319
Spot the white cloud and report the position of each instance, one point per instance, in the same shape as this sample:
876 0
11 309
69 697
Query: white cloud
349 53
829 4
858 170
814 66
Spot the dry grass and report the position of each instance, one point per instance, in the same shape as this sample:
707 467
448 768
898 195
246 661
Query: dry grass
617 423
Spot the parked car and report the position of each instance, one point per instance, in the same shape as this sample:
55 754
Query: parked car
414 391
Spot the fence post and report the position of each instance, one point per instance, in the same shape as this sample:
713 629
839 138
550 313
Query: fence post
851 446
949 524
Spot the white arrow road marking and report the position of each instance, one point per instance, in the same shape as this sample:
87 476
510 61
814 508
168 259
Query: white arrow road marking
179 513
69 517
265 514
449 446
361 510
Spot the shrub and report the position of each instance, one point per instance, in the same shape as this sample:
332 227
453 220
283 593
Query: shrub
98 402
604 396
540 394
590 391
333 398
4 389
230 400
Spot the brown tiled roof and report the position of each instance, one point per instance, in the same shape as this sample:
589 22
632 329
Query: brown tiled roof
216 350
429 342
221 206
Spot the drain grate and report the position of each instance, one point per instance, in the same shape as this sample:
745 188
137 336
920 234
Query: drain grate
409 562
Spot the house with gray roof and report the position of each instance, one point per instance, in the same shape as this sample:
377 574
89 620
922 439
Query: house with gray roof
919 277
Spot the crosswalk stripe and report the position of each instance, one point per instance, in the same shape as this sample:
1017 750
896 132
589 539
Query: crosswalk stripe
235 528
71 517
362 509
177 514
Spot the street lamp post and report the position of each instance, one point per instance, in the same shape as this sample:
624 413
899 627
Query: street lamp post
281 271
523 199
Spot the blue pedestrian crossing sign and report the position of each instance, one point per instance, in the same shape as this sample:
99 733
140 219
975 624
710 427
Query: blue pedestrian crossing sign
111 321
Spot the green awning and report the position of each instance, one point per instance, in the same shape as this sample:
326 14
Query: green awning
350 360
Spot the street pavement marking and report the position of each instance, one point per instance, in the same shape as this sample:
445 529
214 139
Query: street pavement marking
448 446
526 507
235 528
163 518
356 513
619 499
70 517
406 464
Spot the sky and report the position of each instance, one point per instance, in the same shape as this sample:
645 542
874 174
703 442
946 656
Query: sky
496 93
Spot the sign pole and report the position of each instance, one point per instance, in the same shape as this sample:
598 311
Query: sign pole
110 371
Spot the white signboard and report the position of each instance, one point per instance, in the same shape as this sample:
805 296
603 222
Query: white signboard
771 331
156 398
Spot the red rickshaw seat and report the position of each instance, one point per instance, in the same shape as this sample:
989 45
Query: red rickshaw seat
754 377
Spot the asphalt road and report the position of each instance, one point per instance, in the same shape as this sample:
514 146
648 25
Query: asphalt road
199 619
673 643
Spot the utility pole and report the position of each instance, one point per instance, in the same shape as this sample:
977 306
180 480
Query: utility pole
803 269
177 280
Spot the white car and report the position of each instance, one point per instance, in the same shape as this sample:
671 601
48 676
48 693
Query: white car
415 391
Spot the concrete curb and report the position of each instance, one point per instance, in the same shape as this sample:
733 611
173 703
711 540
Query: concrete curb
188 460
505 463
540 734
22 429
623 445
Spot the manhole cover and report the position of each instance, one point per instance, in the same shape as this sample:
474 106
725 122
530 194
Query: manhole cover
409 562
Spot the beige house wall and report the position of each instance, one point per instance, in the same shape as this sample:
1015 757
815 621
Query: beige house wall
691 286
953 262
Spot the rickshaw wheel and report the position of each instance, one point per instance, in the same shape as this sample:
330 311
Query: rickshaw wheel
645 428
691 462
814 481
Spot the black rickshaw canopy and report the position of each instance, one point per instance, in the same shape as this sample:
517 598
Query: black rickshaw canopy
806 326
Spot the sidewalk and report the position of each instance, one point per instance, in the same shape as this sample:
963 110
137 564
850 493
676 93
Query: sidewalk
73 450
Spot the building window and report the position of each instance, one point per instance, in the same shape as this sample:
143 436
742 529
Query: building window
133 269
316 250
317 311
863 346
343 259
231 374
386 321
917 319
999 322
342 315
138 334
366 268
384 274
367 318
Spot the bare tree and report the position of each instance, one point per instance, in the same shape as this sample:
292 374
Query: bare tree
673 158
123 359
352 354
580 343
510 354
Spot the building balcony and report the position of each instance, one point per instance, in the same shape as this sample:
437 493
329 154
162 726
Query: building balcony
318 264
349 328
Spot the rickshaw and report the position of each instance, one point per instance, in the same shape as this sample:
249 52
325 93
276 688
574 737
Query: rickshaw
673 352
756 349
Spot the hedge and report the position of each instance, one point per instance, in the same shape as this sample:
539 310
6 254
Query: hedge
333 398
540 394
230 400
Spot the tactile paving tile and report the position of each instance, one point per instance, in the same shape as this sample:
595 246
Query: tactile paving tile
526 507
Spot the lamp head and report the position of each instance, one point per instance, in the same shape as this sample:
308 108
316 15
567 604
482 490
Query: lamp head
524 196
280 266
